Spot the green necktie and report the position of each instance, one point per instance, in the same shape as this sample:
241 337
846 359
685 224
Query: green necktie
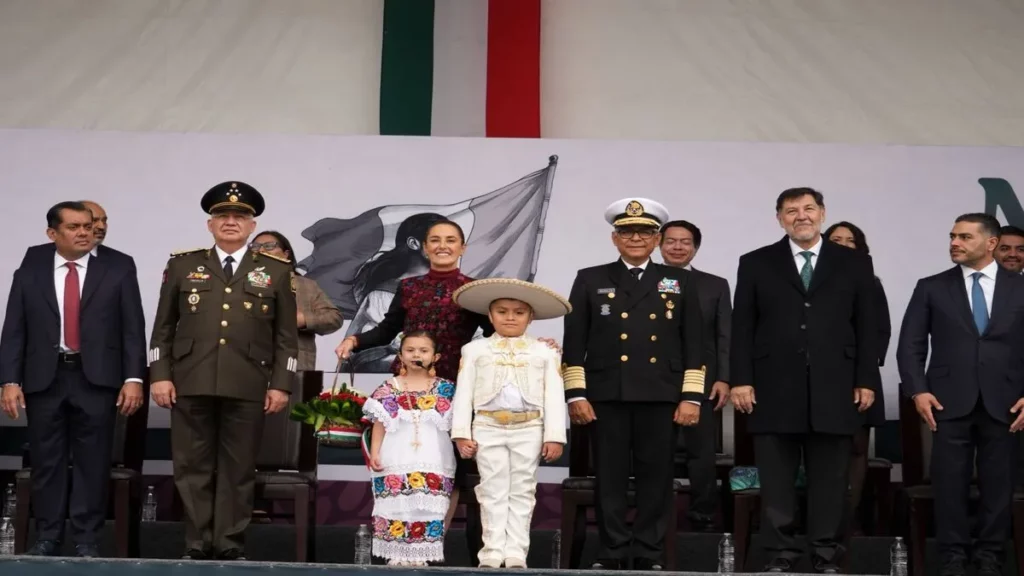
806 271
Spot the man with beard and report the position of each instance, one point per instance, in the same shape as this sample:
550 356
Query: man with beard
971 393
804 369
223 354
1010 251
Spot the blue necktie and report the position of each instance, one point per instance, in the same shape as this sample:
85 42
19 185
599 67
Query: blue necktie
978 307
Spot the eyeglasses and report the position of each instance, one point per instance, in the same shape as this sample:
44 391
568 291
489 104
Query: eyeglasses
644 234
256 246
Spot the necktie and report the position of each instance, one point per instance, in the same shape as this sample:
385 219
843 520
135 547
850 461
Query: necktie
806 270
636 272
978 305
72 308
229 270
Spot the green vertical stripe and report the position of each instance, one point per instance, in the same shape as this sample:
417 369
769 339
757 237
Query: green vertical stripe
407 68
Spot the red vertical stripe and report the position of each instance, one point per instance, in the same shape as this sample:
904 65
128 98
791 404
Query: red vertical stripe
513 69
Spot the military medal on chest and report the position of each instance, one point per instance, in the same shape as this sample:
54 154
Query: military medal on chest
259 278
669 305
193 299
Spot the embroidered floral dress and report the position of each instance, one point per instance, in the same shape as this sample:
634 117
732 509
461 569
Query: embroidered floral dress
411 495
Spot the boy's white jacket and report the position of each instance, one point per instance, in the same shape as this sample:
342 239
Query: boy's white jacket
489 363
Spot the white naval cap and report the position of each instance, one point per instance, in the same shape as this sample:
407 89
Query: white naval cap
636 212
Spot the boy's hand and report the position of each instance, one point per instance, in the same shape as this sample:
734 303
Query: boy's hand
375 464
551 451
467 448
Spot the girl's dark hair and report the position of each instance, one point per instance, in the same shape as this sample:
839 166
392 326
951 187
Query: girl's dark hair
419 334
462 235
393 263
858 235
283 241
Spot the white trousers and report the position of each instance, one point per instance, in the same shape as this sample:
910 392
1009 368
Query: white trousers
507 458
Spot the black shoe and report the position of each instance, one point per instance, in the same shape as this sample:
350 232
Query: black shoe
826 568
194 554
701 522
87 551
44 548
607 564
779 565
646 565
953 567
231 554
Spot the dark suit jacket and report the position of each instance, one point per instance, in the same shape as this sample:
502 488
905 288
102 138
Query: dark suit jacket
876 414
716 312
804 351
112 322
963 363
634 341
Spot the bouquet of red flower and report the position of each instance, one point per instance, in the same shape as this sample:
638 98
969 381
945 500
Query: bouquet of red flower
336 416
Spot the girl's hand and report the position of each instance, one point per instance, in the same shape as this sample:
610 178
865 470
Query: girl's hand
375 464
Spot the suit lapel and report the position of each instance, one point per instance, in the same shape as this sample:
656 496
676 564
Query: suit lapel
1000 298
215 266
616 275
244 267
958 292
786 265
93 277
824 267
648 280
45 273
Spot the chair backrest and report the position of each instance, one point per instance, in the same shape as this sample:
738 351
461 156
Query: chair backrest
581 462
286 444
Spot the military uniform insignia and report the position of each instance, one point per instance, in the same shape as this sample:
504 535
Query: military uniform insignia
184 252
294 286
265 307
278 258
248 305
259 278
193 299
602 291
606 309
164 281
197 276
670 304
669 285
634 208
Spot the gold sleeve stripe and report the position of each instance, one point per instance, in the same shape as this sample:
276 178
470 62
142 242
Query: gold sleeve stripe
574 378
693 380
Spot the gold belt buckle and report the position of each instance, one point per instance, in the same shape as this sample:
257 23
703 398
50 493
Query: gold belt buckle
505 417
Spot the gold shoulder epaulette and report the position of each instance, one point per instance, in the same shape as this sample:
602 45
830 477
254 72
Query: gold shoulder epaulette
184 252
278 258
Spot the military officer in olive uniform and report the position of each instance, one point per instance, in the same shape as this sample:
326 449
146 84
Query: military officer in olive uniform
632 370
223 355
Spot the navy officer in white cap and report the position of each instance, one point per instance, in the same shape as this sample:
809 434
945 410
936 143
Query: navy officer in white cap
632 370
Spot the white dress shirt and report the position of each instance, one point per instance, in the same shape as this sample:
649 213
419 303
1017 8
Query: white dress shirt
60 274
237 255
511 399
642 267
987 281
815 250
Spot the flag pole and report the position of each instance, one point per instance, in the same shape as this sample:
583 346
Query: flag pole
552 164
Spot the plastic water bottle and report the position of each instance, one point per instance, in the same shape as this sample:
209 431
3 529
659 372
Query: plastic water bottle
7 523
363 542
726 555
898 558
149 506
556 550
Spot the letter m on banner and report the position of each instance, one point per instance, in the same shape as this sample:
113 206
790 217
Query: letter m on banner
1000 195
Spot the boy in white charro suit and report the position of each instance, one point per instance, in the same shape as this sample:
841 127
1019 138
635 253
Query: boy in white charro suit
508 410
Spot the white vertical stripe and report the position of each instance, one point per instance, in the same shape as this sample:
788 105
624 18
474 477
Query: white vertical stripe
459 101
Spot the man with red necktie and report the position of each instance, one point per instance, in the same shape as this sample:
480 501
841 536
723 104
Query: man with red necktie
72 354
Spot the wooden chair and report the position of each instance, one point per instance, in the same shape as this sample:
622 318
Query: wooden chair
917 452
286 467
578 494
125 478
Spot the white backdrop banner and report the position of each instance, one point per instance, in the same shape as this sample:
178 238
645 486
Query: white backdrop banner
350 204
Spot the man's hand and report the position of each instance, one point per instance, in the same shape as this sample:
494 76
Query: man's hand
581 413
552 343
11 399
344 350
719 390
300 319
375 464
924 404
864 398
743 398
163 393
275 402
1017 409
551 451
467 448
687 414
130 398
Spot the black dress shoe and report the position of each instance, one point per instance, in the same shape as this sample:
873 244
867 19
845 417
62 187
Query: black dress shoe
194 554
646 564
231 554
607 564
953 567
779 565
826 568
87 551
44 548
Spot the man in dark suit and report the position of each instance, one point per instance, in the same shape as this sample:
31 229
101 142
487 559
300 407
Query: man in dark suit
632 368
73 351
680 241
804 362
223 354
973 387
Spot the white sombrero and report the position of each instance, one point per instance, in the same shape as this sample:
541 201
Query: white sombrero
477 296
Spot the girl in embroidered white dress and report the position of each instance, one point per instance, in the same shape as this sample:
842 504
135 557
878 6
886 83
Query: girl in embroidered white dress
411 459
